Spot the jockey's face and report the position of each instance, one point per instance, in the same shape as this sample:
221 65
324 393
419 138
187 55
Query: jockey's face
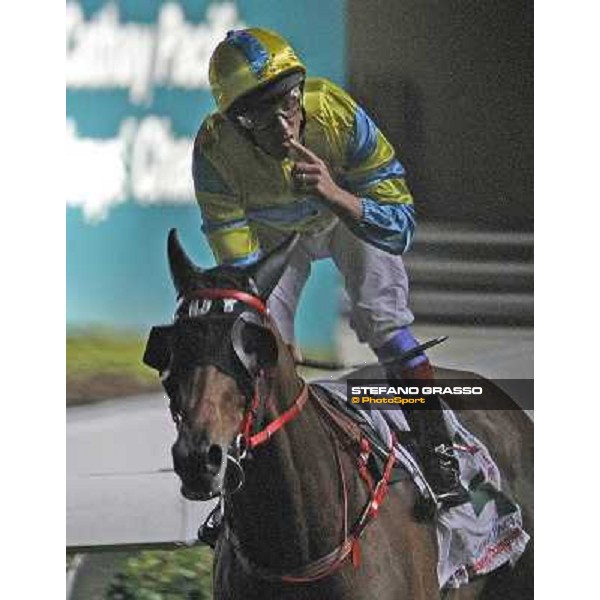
273 124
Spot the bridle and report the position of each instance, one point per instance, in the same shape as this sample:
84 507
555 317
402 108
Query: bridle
248 439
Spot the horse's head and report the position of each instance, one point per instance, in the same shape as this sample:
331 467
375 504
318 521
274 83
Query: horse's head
210 357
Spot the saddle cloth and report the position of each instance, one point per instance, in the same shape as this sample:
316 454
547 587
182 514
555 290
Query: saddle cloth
474 538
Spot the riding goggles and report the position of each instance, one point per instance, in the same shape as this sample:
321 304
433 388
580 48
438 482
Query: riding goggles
264 117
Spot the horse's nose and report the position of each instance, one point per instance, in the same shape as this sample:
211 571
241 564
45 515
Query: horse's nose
197 455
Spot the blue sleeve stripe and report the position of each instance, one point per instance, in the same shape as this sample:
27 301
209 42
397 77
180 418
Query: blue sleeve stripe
364 181
209 226
388 226
244 261
364 139
207 178
393 216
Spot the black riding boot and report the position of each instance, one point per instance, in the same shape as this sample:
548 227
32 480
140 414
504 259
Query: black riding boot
435 449
437 457
210 530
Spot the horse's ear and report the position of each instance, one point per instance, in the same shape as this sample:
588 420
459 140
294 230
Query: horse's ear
184 273
269 269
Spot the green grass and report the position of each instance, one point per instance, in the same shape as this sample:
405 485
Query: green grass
107 352
106 364
165 575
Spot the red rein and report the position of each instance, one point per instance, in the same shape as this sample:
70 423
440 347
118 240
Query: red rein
252 441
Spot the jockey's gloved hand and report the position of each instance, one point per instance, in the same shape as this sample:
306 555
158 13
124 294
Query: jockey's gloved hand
403 341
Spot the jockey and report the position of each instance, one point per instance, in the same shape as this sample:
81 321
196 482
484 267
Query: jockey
285 153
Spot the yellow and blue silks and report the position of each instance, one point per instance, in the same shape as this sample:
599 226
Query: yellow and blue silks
243 192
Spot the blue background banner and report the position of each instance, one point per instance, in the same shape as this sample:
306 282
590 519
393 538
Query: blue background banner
137 91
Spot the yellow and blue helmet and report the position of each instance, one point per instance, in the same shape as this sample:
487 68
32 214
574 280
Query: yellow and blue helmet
248 60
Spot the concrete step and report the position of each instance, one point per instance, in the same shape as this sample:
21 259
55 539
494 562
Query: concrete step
469 244
475 308
464 275
438 234
429 274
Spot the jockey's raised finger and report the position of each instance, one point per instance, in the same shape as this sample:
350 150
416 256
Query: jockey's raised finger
302 152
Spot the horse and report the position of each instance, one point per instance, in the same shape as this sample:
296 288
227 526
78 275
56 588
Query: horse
299 520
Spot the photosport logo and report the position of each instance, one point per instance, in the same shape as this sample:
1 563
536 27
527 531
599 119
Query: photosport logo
458 394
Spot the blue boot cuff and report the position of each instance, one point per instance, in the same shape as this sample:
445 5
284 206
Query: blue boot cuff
402 342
